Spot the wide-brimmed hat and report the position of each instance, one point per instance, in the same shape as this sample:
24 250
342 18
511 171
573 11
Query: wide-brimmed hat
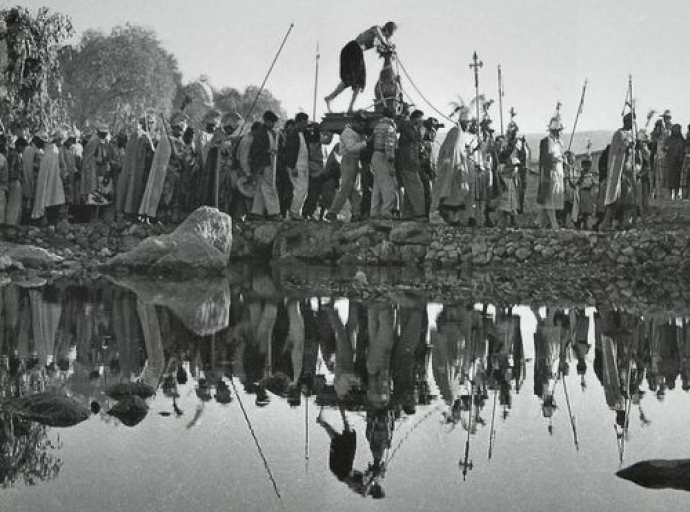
102 127
246 186
667 113
432 123
42 135
57 134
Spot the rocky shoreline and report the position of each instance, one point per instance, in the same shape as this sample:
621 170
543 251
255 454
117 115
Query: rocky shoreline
87 250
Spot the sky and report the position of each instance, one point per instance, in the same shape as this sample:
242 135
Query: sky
546 48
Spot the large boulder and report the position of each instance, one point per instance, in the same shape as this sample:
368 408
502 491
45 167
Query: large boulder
659 474
203 305
28 255
130 410
49 408
201 244
412 233
122 389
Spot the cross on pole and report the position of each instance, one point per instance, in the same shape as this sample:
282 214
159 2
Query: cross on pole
476 64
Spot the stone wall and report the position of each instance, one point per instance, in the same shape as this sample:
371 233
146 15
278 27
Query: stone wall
417 244
85 246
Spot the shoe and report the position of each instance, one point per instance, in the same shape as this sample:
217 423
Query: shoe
275 218
331 217
262 398
253 217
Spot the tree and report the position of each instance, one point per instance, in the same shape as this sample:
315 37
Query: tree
31 76
229 99
124 72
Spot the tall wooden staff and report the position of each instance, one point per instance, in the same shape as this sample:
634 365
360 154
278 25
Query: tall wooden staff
577 116
501 93
476 64
316 81
633 129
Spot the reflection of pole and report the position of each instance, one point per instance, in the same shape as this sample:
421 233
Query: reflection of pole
255 438
492 432
306 433
570 414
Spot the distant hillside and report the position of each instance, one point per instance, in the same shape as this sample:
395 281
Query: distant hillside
600 139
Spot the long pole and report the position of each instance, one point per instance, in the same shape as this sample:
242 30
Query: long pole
476 64
256 439
570 414
501 93
270 69
492 432
634 122
316 81
577 116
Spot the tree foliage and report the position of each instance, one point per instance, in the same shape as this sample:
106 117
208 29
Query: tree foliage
229 99
121 73
31 76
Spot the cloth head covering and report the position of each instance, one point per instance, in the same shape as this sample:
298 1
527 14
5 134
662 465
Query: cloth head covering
211 117
555 123
180 119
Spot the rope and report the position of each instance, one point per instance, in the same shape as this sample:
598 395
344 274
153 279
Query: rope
412 429
256 439
407 75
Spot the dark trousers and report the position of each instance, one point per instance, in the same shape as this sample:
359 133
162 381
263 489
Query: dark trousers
313 195
367 188
522 189
284 188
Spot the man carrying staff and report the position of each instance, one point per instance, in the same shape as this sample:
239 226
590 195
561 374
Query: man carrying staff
621 184
353 71
551 163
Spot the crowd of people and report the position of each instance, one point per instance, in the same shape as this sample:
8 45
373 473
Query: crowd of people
165 169
380 358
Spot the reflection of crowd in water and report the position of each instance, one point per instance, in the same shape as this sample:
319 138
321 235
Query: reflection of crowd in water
371 358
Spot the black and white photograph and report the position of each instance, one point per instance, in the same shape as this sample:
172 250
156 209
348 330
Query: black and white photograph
325 256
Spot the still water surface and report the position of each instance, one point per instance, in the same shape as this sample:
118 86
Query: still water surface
253 387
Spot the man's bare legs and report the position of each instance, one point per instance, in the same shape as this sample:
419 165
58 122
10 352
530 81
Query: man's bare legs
355 93
338 90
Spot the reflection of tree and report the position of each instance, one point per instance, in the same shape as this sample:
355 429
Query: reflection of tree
26 452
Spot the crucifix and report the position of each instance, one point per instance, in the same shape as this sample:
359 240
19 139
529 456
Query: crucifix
476 64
